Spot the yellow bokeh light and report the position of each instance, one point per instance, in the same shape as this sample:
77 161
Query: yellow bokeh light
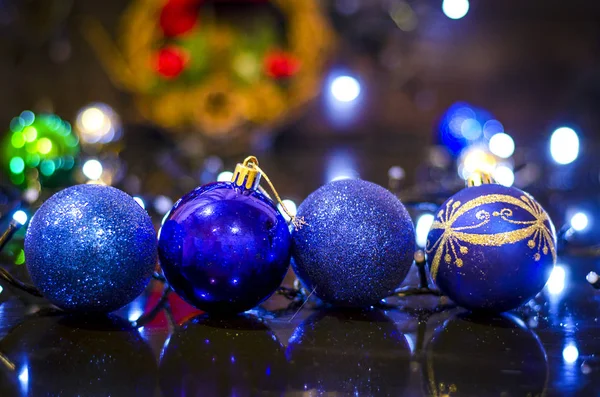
30 134
44 145
97 124
477 160
92 119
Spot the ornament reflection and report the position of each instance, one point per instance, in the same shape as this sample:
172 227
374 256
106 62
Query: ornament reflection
61 355
238 356
480 356
349 352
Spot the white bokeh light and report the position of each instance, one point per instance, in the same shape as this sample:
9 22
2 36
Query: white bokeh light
345 88
504 175
579 222
163 204
564 145
502 145
20 216
570 353
98 123
92 169
422 229
225 176
290 206
557 280
455 9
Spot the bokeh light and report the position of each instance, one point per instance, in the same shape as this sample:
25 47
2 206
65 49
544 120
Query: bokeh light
579 221
162 204
98 123
345 88
557 280
92 169
20 216
471 129
476 159
455 9
502 145
504 175
564 145
225 176
491 128
464 125
422 228
341 164
290 206
40 149
570 353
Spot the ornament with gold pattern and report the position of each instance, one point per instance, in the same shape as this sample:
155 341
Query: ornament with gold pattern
491 247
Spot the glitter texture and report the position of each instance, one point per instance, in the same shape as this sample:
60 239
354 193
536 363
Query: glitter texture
358 245
491 248
90 248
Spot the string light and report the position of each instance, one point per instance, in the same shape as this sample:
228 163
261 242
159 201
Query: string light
455 9
225 176
345 88
291 207
570 353
422 229
557 280
502 145
20 217
98 123
579 221
504 175
564 145
92 169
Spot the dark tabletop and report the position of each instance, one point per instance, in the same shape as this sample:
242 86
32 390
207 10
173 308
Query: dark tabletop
546 348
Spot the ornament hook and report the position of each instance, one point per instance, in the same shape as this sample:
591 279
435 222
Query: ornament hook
479 178
251 173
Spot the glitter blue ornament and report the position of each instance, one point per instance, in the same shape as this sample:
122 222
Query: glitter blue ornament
90 248
491 248
224 247
358 244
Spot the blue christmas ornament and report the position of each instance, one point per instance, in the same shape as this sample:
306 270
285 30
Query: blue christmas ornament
90 248
224 247
491 248
358 244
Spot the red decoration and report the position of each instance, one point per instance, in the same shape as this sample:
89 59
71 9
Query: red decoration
281 64
170 62
178 17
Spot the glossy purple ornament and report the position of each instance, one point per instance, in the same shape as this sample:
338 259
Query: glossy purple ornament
224 247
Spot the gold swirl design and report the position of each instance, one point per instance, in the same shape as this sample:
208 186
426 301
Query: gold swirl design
450 245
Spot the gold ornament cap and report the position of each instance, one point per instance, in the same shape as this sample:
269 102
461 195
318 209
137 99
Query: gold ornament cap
247 174
479 178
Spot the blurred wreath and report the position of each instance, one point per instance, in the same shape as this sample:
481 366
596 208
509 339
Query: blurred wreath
222 67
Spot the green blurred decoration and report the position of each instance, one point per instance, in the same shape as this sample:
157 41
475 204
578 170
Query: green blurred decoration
40 151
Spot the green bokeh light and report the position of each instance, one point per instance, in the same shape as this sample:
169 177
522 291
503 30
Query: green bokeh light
47 167
20 258
17 165
17 140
